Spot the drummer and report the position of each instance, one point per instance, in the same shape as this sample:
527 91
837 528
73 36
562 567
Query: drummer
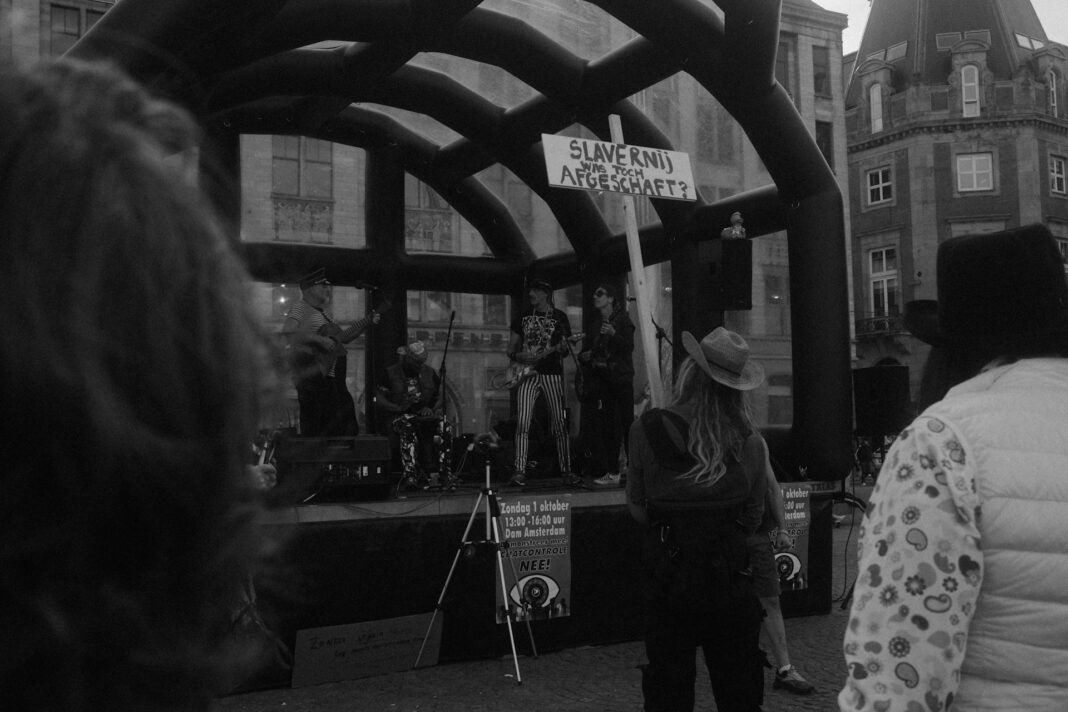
411 391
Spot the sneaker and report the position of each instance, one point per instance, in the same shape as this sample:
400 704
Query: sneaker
610 479
570 478
790 679
518 479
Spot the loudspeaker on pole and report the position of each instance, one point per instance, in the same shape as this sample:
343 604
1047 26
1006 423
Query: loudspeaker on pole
730 263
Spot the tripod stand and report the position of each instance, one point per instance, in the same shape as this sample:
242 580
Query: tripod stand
493 539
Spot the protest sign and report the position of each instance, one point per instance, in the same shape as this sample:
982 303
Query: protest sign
585 164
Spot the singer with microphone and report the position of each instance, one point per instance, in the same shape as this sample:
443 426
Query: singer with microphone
411 391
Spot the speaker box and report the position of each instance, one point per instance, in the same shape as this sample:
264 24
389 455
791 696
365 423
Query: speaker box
341 469
730 263
881 399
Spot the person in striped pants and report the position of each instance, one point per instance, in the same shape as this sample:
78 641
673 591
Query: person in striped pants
538 344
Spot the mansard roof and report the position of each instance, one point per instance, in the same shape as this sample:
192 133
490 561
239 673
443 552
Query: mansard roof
916 37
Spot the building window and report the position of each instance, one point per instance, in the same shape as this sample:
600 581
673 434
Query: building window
429 307
825 141
784 70
821 71
494 310
706 132
969 89
875 104
67 24
302 167
975 172
1029 42
880 186
1056 175
1062 245
882 266
1051 82
429 221
776 309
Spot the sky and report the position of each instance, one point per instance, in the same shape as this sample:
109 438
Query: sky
1053 14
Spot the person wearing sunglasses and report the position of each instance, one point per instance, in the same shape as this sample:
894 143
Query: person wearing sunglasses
607 372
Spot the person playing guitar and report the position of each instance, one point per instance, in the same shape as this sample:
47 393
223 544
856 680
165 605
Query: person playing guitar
539 340
316 345
606 369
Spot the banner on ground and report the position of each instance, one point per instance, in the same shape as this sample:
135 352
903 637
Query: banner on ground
538 531
585 164
347 652
793 564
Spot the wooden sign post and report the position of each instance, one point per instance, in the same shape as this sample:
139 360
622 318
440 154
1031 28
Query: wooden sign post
632 170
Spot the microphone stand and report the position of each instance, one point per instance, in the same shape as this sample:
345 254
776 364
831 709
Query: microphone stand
445 474
370 400
661 337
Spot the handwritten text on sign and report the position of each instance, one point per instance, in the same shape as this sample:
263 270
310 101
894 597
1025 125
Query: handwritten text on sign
618 168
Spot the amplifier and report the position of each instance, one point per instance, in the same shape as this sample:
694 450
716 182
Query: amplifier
339 469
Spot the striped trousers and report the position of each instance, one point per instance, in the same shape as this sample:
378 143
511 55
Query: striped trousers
551 387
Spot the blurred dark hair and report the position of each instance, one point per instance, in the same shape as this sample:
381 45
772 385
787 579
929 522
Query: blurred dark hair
132 370
612 291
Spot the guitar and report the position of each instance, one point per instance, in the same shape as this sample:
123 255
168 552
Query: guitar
314 360
265 445
263 474
590 373
520 372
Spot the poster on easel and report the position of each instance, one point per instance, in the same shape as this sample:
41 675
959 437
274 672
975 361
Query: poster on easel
538 531
793 563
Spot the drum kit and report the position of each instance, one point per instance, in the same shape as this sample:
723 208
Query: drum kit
426 450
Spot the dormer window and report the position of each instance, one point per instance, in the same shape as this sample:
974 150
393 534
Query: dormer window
1029 42
969 89
875 103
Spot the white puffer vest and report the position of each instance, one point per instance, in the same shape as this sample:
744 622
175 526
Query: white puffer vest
1014 424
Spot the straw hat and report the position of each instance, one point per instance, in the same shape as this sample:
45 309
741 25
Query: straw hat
999 291
724 356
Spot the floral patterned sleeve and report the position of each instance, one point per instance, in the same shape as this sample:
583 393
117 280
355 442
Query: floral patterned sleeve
919 576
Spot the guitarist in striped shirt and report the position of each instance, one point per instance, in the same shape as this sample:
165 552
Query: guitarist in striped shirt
318 361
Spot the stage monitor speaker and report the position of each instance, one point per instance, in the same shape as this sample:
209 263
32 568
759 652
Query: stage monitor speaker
340 469
730 262
881 399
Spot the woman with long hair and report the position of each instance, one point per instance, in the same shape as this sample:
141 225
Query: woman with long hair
131 369
697 482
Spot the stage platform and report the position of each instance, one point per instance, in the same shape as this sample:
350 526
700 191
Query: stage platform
435 503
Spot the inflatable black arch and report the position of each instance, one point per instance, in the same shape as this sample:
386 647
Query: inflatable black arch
240 66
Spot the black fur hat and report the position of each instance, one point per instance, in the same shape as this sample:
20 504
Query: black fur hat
1002 291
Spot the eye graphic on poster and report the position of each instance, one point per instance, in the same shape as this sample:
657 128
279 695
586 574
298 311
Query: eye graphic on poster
788 565
539 591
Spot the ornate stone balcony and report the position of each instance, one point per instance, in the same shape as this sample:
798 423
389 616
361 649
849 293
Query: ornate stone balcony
876 326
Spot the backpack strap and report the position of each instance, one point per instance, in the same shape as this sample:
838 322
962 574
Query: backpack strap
668 435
